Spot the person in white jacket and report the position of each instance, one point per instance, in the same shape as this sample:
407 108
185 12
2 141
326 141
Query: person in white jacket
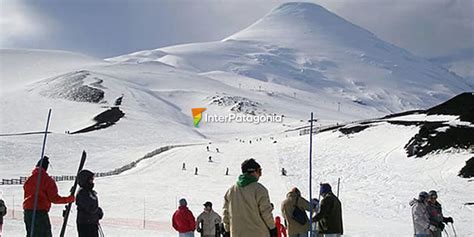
421 222
208 222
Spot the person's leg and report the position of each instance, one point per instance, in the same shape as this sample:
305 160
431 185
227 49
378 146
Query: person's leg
27 220
42 225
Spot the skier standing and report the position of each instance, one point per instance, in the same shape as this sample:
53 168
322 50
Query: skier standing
294 200
88 211
420 216
183 220
247 206
47 194
435 214
329 217
208 222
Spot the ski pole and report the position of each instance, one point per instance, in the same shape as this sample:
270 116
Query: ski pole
445 231
311 171
338 182
35 205
101 232
454 229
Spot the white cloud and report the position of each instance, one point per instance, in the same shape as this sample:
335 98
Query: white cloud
19 22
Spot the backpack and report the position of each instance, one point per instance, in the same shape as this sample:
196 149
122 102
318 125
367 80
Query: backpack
299 215
3 208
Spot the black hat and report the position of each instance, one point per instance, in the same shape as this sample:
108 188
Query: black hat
249 166
325 188
84 177
208 204
43 163
423 195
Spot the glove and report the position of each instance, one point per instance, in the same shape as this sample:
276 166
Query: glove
274 232
448 220
433 228
100 213
199 230
70 199
225 234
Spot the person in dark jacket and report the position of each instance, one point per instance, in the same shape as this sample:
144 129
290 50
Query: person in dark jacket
435 214
329 217
47 194
88 211
3 212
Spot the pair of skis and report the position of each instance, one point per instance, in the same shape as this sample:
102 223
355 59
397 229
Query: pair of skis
67 209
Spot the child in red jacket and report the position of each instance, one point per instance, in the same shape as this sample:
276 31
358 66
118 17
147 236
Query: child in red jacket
281 229
183 220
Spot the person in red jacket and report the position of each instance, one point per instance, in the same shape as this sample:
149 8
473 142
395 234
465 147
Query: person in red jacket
183 220
281 229
47 194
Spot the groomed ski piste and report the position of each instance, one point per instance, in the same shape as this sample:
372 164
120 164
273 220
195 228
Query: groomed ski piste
251 72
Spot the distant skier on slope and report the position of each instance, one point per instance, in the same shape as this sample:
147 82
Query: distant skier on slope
88 211
47 194
208 222
420 216
183 220
436 215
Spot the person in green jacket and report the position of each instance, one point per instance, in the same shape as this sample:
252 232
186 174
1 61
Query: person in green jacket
329 217
247 210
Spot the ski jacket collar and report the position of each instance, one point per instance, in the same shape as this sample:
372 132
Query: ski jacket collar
246 179
36 170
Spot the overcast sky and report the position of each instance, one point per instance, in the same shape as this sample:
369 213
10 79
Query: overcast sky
105 28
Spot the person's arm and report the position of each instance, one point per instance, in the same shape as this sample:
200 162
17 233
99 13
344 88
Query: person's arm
325 208
303 204
174 223
198 221
191 220
225 213
52 193
265 207
218 219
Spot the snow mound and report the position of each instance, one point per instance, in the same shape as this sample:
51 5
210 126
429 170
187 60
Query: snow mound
236 103
78 86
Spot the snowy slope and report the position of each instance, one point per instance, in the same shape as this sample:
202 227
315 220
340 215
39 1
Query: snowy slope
377 181
304 46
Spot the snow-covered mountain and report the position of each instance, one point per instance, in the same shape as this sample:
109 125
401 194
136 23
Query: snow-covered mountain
460 62
299 58
304 46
